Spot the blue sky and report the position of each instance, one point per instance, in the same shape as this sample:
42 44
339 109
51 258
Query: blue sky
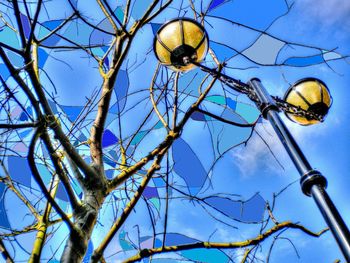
247 169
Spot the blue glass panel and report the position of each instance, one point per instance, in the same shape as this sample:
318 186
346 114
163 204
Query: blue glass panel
253 209
222 52
114 108
124 244
53 106
42 57
264 50
114 154
89 252
16 60
108 138
155 27
19 170
110 174
45 30
173 239
44 173
206 255
9 37
76 187
23 116
4 73
139 136
53 24
61 193
25 133
198 116
248 211
20 148
98 37
109 161
215 3
139 8
159 182
248 112
255 13
106 62
150 192
81 138
121 89
226 136
188 166
3 216
79 32
110 119
226 206
304 61
72 112
156 203
25 24
231 103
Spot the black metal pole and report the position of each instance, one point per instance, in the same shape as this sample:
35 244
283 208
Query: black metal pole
313 183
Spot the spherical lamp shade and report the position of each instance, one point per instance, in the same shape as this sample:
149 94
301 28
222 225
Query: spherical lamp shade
311 95
180 41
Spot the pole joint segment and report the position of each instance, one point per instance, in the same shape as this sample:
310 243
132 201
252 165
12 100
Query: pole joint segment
264 100
310 179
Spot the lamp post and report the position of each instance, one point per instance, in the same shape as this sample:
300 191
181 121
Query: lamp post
182 44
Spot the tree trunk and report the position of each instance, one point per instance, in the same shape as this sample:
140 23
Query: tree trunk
85 220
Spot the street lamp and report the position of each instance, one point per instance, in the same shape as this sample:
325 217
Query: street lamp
182 43
179 42
309 94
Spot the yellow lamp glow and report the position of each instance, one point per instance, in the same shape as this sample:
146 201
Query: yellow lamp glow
180 42
311 95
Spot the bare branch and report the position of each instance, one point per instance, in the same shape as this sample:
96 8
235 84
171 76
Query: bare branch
240 244
19 23
116 226
108 15
18 125
225 120
154 104
150 18
5 253
41 184
9 183
32 28
176 97
43 224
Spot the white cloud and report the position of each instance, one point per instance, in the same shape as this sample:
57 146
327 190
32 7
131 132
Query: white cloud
328 13
256 155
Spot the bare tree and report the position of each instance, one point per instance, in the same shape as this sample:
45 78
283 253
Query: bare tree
123 148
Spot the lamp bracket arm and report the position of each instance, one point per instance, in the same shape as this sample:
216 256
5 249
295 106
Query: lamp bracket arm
233 83
296 110
241 87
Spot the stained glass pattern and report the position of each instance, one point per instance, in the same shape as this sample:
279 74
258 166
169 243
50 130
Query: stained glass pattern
163 135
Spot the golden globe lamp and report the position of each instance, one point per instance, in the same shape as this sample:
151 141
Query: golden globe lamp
180 42
311 95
